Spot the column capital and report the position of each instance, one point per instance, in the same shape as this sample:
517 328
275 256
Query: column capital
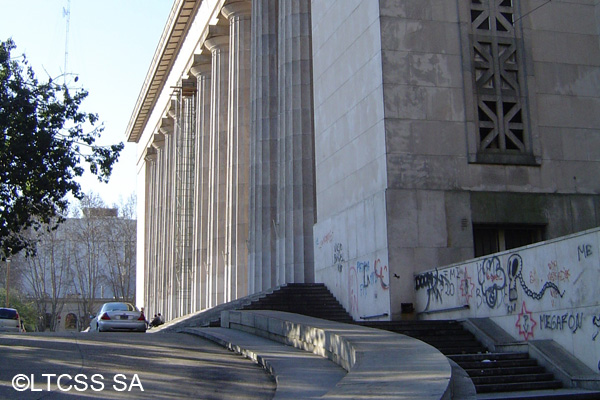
242 8
217 43
158 141
150 154
217 38
201 65
172 111
166 126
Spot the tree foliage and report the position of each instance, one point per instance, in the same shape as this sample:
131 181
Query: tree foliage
44 141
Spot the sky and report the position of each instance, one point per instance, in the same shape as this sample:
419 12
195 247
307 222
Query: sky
110 47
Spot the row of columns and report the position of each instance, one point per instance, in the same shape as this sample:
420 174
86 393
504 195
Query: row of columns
282 190
248 223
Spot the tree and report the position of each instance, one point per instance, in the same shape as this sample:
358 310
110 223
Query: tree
48 275
120 251
87 237
44 141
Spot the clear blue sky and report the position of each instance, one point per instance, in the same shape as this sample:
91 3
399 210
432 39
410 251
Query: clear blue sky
110 47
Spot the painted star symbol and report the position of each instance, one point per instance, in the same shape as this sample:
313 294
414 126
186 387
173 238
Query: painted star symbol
525 323
466 287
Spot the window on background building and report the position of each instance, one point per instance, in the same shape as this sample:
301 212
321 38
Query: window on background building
489 239
502 132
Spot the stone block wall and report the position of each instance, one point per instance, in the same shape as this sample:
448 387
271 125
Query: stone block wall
396 126
350 156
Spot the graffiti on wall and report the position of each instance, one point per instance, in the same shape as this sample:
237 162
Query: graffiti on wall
515 263
494 285
547 291
338 256
438 285
327 238
368 278
584 251
525 323
366 281
492 282
596 322
381 274
466 287
571 321
359 282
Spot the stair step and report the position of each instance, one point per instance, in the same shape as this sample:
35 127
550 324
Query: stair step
497 364
490 356
314 300
548 394
543 377
504 371
520 386
453 351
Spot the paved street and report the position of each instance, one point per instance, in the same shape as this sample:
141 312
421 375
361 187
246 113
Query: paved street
120 365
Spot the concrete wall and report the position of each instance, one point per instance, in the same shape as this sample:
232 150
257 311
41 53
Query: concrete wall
436 187
544 291
395 122
350 233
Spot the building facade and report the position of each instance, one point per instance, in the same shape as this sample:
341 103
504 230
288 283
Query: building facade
358 143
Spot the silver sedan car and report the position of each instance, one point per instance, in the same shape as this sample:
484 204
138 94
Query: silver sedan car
118 317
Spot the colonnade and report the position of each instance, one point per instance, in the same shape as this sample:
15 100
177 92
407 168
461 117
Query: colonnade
230 201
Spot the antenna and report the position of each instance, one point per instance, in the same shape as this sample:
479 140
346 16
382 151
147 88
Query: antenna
67 15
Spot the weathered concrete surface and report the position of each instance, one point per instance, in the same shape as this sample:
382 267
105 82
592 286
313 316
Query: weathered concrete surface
299 374
380 364
169 366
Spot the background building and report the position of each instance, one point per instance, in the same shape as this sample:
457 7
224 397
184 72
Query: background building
358 143
77 267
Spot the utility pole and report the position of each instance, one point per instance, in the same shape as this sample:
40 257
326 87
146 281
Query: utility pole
67 14
7 279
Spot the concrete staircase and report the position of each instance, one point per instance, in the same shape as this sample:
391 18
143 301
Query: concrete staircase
311 299
506 375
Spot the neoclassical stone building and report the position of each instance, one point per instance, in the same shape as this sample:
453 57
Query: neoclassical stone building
358 142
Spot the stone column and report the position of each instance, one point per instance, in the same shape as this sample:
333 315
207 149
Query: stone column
171 298
158 143
263 146
238 14
149 284
165 239
217 43
296 205
184 193
201 70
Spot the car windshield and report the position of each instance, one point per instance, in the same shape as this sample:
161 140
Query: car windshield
7 313
118 307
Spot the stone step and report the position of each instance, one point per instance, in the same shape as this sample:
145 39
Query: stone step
497 364
549 394
454 351
490 356
517 378
314 300
519 386
504 371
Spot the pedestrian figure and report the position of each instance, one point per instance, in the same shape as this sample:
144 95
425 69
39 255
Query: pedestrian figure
155 321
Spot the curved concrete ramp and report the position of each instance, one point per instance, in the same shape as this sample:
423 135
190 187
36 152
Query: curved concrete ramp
298 374
379 364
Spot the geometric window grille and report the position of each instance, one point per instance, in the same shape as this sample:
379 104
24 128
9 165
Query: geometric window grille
501 127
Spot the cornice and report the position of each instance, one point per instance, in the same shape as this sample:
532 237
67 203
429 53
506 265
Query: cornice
179 22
